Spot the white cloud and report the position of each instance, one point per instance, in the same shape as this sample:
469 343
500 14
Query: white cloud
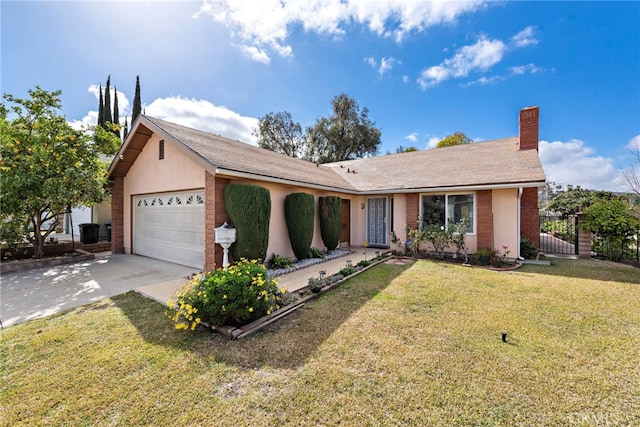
575 163
524 38
479 57
412 137
524 69
386 64
513 71
91 118
203 115
634 144
264 26
433 141
405 79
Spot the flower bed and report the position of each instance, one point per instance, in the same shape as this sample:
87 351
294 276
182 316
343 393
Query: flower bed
244 299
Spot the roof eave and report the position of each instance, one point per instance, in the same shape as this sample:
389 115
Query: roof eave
284 181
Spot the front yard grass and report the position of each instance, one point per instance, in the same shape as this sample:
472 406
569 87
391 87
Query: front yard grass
396 345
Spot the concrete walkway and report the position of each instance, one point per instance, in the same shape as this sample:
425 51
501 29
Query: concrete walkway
42 292
298 279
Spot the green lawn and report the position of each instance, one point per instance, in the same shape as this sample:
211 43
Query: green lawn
398 345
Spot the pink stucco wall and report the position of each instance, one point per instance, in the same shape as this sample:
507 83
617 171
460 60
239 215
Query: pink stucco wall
150 175
505 220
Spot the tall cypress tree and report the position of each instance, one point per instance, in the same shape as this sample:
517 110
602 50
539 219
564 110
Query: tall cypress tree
101 110
126 129
116 113
137 105
108 118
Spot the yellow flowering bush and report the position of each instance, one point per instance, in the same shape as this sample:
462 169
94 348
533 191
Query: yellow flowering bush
236 296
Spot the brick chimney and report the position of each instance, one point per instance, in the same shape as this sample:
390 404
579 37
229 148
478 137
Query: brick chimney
529 118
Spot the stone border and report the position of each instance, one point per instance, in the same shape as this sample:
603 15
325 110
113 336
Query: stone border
32 264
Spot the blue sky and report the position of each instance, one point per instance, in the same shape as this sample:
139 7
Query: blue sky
424 70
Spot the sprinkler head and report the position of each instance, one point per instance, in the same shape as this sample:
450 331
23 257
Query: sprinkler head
504 336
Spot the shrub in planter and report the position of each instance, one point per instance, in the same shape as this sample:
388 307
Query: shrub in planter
484 256
330 210
236 296
315 284
279 261
299 213
249 208
316 253
347 271
527 249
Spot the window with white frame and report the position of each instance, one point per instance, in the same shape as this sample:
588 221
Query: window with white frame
447 210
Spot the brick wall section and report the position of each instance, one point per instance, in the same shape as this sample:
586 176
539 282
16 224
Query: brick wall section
529 119
215 215
220 215
209 221
530 216
413 209
584 240
484 222
117 216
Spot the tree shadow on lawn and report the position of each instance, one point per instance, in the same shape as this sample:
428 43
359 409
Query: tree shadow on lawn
587 268
285 344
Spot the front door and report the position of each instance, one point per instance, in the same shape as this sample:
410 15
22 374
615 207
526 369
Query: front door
345 225
377 221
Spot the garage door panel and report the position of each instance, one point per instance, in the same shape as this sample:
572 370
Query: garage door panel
170 227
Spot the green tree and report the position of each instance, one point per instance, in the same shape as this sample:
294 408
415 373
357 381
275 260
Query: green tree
137 106
116 113
402 149
345 135
575 200
107 139
101 109
457 138
108 118
46 165
611 220
278 132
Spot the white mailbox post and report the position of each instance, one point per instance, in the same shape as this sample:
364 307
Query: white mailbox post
225 235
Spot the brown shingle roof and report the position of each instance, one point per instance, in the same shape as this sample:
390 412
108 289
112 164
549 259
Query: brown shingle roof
496 162
491 163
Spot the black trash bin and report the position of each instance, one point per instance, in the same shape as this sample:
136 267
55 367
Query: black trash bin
107 226
89 233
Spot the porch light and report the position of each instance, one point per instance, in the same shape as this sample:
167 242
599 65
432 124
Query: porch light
225 236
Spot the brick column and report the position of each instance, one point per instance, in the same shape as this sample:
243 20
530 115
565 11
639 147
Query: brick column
117 216
413 209
584 241
530 215
220 215
215 215
484 222
209 221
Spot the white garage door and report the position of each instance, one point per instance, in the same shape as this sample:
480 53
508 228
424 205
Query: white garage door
170 227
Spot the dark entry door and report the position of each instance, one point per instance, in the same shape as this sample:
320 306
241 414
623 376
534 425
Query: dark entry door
345 226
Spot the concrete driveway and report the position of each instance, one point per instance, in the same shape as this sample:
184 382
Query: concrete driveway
41 292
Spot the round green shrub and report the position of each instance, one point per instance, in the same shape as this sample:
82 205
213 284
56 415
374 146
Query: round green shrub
299 212
249 208
330 209
236 296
